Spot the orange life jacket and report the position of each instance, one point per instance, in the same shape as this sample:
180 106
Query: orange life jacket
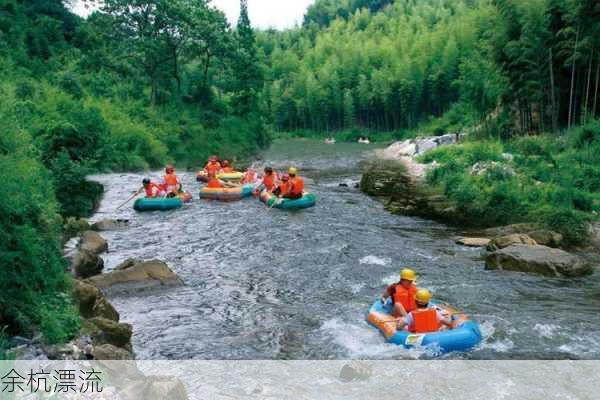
152 190
269 181
406 297
249 177
424 321
171 180
284 188
213 168
297 186
228 170
214 183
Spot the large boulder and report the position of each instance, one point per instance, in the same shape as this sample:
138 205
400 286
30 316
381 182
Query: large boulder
93 242
92 303
105 331
473 241
85 264
110 224
137 276
508 240
110 352
547 238
538 259
73 227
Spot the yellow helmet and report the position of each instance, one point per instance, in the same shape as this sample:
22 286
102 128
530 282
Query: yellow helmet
423 296
408 274
293 171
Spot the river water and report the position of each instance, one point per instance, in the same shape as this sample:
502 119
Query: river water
269 284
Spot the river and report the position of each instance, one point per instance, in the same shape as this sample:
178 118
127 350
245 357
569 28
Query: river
269 284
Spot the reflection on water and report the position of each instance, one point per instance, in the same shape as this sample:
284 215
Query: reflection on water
269 284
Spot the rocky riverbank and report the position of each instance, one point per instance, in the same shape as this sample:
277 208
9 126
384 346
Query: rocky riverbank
397 179
103 336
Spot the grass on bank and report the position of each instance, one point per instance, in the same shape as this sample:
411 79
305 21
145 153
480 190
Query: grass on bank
550 179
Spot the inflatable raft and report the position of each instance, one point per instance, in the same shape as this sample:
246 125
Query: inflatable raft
463 335
230 176
226 194
306 201
157 204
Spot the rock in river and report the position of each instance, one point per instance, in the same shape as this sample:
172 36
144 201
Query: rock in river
105 331
110 352
110 224
508 240
473 241
538 259
92 303
85 264
93 242
136 276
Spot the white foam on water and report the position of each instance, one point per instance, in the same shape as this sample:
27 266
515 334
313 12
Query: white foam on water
547 331
374 260
356 287
363 341
487 331
388 280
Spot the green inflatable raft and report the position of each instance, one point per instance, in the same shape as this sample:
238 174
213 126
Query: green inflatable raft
306 201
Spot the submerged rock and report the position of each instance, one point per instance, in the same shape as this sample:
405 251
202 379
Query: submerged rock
356 371
93 242
473 241
136 276
85 264
508 240
110 224
538 259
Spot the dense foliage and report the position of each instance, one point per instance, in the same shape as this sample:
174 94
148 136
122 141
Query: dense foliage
524 65
545 179
136 85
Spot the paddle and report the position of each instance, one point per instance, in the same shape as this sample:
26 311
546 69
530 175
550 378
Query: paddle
129 199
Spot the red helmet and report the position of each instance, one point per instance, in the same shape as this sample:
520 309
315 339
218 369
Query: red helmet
285 177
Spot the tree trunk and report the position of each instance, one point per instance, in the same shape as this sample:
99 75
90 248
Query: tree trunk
587 88
554 115
573 79
596 90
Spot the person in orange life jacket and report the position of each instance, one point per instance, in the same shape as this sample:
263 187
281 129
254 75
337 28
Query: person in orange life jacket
284 187
250 176
213 166
152 189
402 293
171 182
296 185
269 180
227 168
213 182
425 318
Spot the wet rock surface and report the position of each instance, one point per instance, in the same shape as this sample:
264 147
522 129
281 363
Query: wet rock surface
135 276
94 243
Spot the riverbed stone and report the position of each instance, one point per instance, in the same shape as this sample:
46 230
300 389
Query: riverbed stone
547 237
141 275
109 225
155 388
85 264
538 259
105 331
110 352
473 241
356 371
508 240
93 242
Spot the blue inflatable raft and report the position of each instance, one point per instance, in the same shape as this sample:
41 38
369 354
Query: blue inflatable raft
463 335
157 204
